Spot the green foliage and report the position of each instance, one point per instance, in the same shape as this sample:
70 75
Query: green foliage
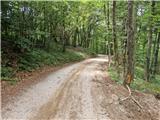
34 33
23 43
6 71
7 74
90 52
11 81
114 76
139 83
32 24
145 86
38 58
139 73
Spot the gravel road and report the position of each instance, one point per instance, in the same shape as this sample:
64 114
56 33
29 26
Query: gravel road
65 94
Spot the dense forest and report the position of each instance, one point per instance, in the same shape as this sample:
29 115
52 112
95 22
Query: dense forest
35 34
80 60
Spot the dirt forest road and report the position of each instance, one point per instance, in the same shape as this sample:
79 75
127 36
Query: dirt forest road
74 92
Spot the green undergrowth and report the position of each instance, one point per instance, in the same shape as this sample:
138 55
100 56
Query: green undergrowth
114 75
153 86
139 83
39 58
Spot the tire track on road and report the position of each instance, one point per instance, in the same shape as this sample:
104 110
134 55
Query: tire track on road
50 109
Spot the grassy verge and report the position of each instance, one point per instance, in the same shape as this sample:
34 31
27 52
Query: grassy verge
139 83
39 58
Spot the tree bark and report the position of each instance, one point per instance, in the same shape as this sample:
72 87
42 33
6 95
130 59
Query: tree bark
149 45
124 52
130 46
114 34
156 54
108 49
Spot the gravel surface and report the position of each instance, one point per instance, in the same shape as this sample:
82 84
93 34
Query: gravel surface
79 91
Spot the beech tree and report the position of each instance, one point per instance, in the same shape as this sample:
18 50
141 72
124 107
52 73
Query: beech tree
130 45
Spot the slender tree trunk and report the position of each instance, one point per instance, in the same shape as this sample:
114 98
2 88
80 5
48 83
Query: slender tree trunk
130 46
108 49
44 26
156 55
135 36
63 33
124 48
109 46
114 34
74 42
153 53
149 45
78 35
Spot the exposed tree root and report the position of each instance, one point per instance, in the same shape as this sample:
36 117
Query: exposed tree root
131 97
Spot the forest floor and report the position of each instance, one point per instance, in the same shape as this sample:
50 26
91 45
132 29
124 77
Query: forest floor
82 90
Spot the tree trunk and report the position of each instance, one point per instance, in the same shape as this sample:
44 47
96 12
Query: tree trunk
130 46
153 53
124 52
114 34
149 45
106 13
109 46
74 42
63 33
156 55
